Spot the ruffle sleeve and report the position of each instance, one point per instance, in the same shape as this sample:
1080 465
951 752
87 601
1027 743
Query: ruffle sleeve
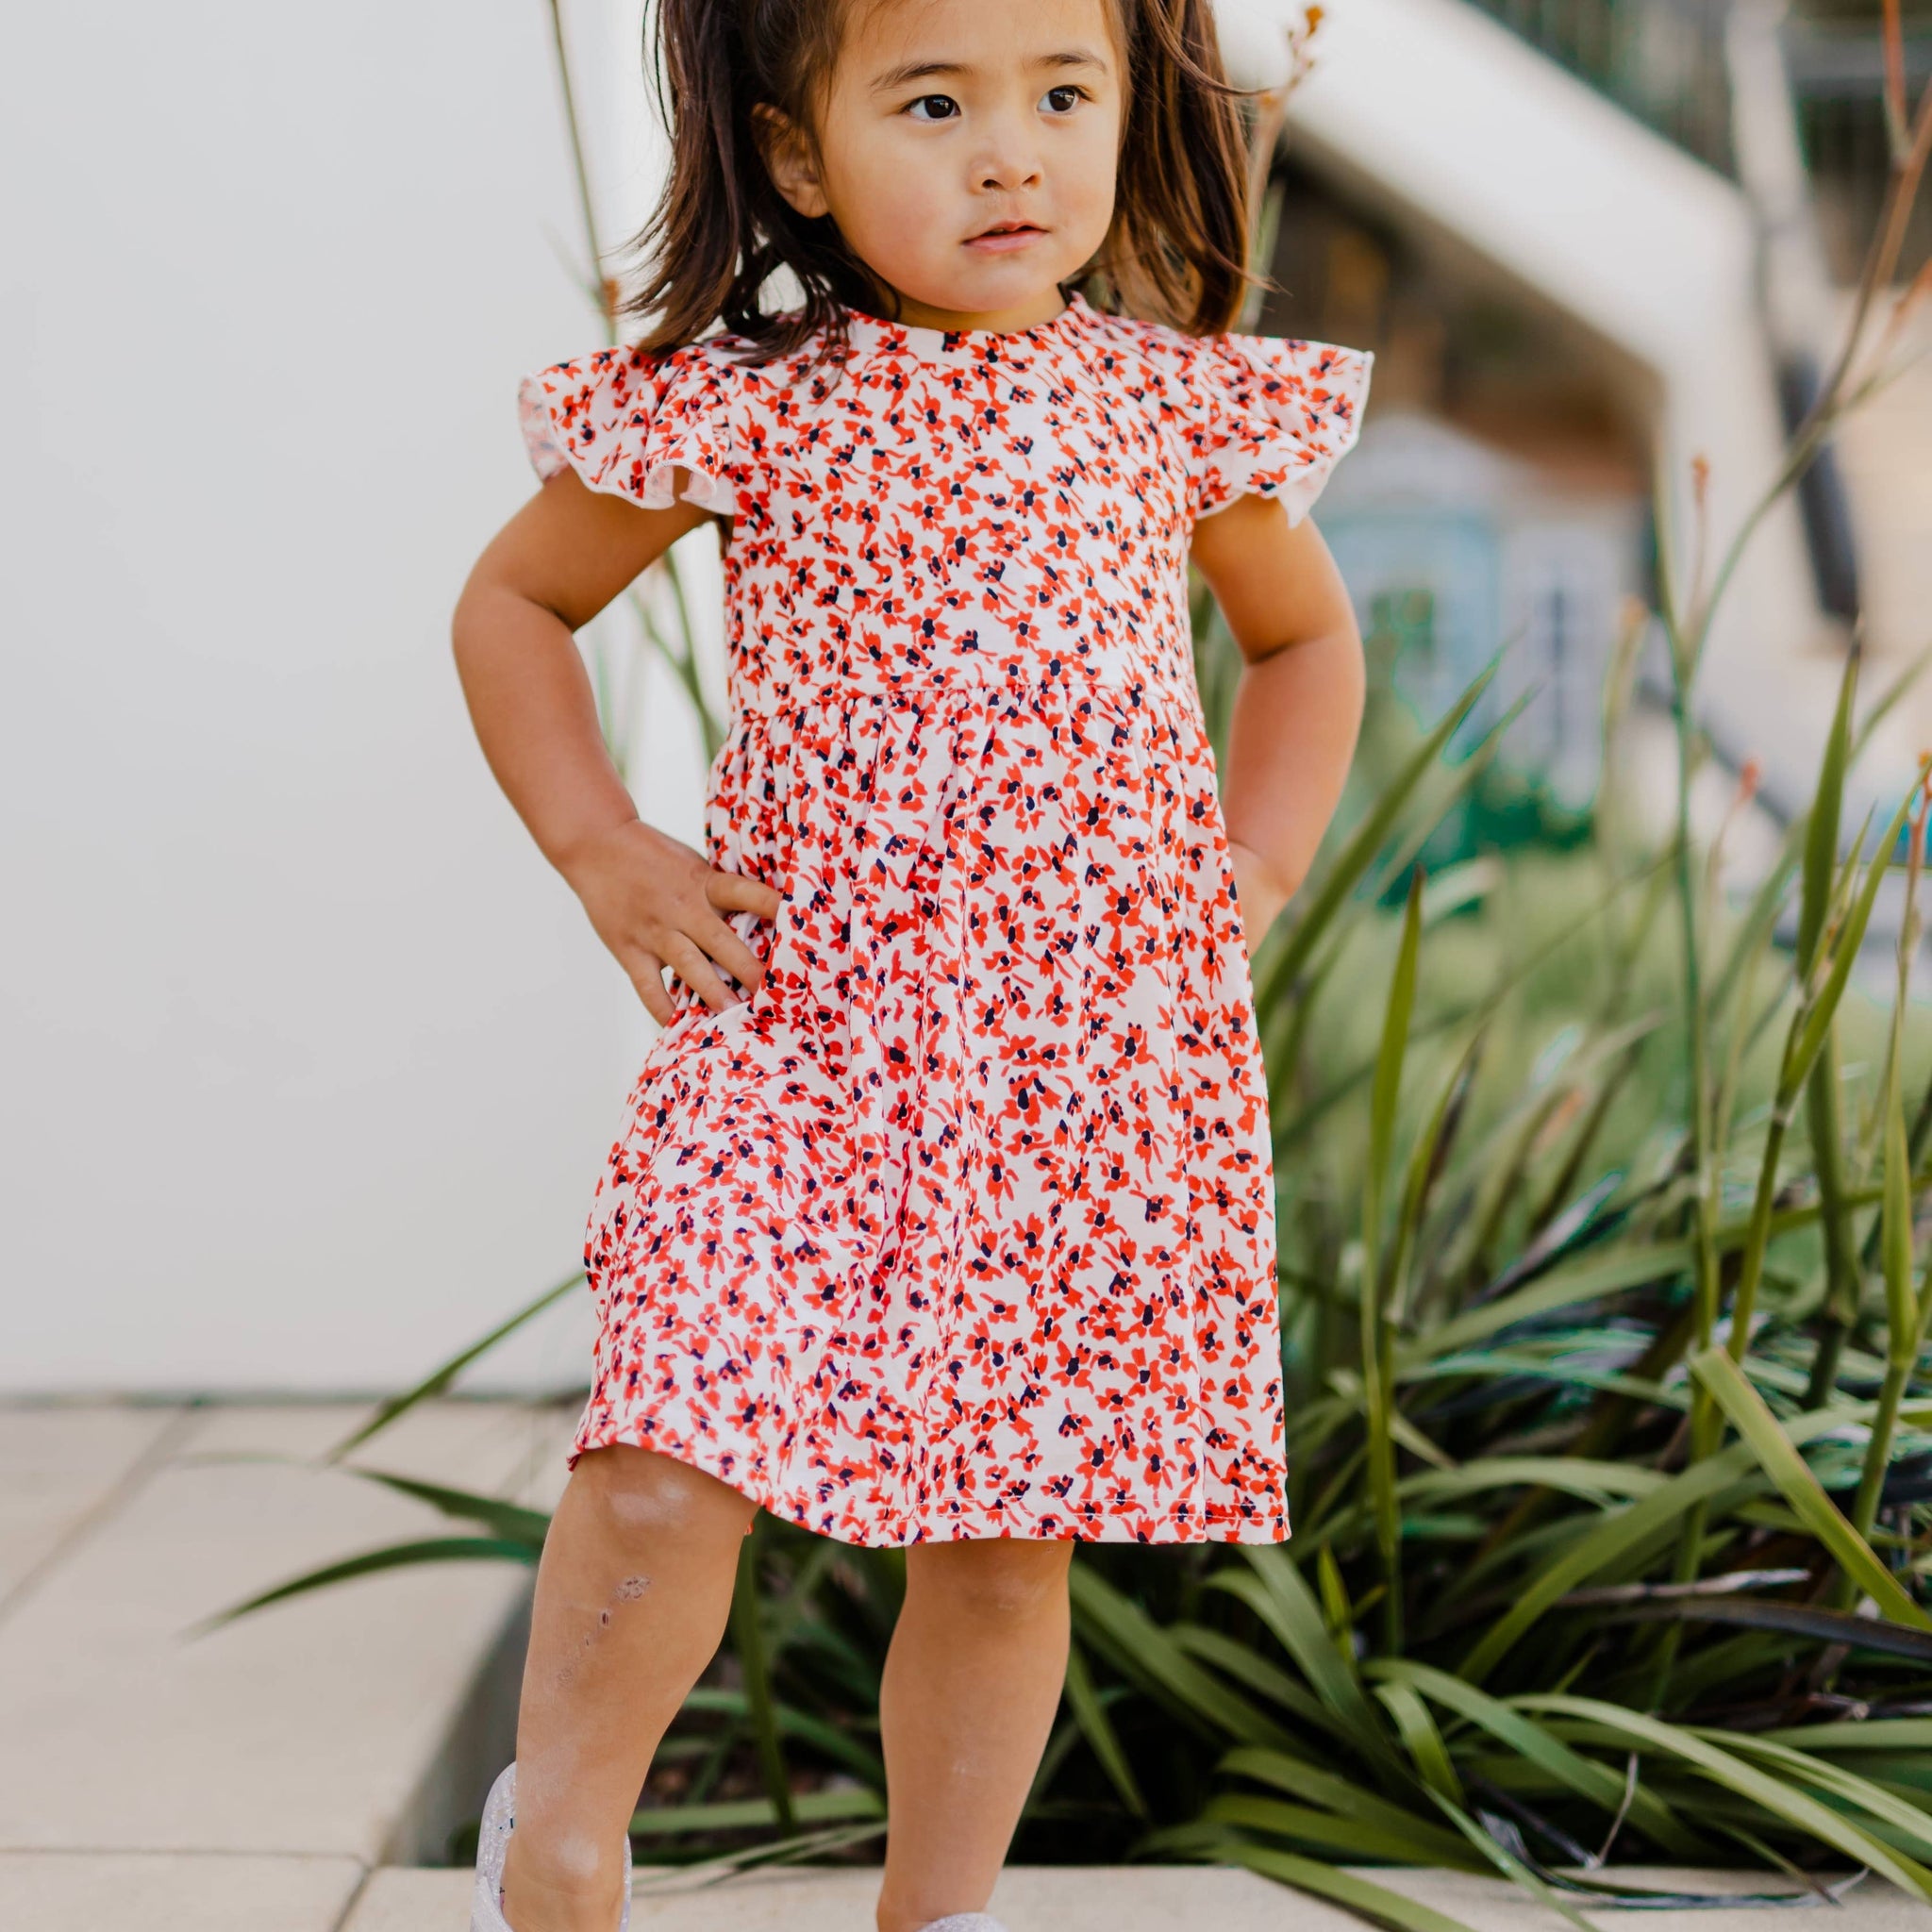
1274 415
626 420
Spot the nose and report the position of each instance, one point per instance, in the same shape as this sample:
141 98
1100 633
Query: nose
1006 174
1009 158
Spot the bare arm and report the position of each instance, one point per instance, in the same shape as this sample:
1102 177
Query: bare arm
1298 705
654 901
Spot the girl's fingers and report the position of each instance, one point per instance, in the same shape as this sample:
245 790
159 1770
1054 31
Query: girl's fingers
697 938
735 891
724 945
645 971
687 960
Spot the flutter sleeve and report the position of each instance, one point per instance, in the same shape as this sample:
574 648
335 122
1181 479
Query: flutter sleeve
626 420
1273 415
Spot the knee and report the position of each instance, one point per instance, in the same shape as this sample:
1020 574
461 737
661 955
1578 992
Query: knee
1001 1579
642 1499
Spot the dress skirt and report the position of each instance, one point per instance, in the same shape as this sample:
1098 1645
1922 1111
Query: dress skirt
962 1224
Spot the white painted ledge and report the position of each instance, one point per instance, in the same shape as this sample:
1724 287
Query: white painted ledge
1028 1898
1137 1898
1491 1905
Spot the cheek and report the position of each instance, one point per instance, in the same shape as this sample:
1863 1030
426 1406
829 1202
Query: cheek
896 199
1092 182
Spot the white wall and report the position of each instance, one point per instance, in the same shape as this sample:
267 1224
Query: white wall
307 1060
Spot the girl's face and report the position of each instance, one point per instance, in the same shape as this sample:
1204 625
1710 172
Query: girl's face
967 151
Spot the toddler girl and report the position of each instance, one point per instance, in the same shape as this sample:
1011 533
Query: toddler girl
942 1214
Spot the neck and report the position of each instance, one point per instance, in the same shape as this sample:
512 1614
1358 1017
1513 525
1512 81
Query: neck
1019 315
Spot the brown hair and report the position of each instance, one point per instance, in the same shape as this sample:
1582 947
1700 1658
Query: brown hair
1175 252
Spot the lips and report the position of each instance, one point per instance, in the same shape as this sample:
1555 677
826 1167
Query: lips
1005 236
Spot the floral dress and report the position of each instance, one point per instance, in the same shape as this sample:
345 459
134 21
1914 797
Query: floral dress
963 1223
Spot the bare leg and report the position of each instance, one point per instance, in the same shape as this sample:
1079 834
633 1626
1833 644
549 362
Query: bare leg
972 1682
633 1596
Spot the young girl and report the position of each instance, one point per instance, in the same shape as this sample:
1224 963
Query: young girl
943 1215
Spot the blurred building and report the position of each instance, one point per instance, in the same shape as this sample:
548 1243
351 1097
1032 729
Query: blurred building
1451 545
1588 239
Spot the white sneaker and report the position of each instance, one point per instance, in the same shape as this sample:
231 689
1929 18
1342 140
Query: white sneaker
499 1820
964 1921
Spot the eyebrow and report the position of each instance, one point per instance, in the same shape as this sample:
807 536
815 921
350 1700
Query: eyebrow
944 70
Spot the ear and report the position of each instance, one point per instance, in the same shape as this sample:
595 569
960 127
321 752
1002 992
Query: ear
788 160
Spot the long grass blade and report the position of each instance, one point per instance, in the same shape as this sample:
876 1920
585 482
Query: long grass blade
748 1641
1379 1380
1844 952
1421 1738
1143 1651
1319 1831
1627 1530
1489 1844
1248 1667
741 1814
449 1549
1610 1792
510 1521
1308 1784
1274 1589
1595 1276
1768 1441
1885 1807
1830 1628
1733 1773
441 1379
1374 1901
1821 826
1089 1712
809 1729
1630 1529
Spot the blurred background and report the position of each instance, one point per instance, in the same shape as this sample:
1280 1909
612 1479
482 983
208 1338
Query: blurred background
310 1061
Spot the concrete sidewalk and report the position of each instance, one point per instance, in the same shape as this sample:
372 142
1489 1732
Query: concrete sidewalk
256 1774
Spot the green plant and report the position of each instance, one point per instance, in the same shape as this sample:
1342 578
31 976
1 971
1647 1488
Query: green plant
1603 1335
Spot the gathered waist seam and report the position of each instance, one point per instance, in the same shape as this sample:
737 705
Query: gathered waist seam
1143 688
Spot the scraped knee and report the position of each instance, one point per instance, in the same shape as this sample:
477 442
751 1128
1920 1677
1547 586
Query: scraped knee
644 1499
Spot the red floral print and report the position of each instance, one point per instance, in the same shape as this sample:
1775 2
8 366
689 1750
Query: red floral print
963 1223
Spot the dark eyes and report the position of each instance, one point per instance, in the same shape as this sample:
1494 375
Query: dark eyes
1056 100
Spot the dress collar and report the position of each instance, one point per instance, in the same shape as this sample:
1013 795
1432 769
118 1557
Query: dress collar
873 335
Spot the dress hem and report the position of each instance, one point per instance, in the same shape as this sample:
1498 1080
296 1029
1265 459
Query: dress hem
980 1526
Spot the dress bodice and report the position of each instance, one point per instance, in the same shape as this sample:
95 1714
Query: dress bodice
940 505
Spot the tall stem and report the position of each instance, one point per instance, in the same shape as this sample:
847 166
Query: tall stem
1705 1268
585 207
1842 1270
682 662
749 1640
1705 1424
1757 1235
1908 1313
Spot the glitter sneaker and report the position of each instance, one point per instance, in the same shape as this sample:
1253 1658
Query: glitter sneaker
499 1819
